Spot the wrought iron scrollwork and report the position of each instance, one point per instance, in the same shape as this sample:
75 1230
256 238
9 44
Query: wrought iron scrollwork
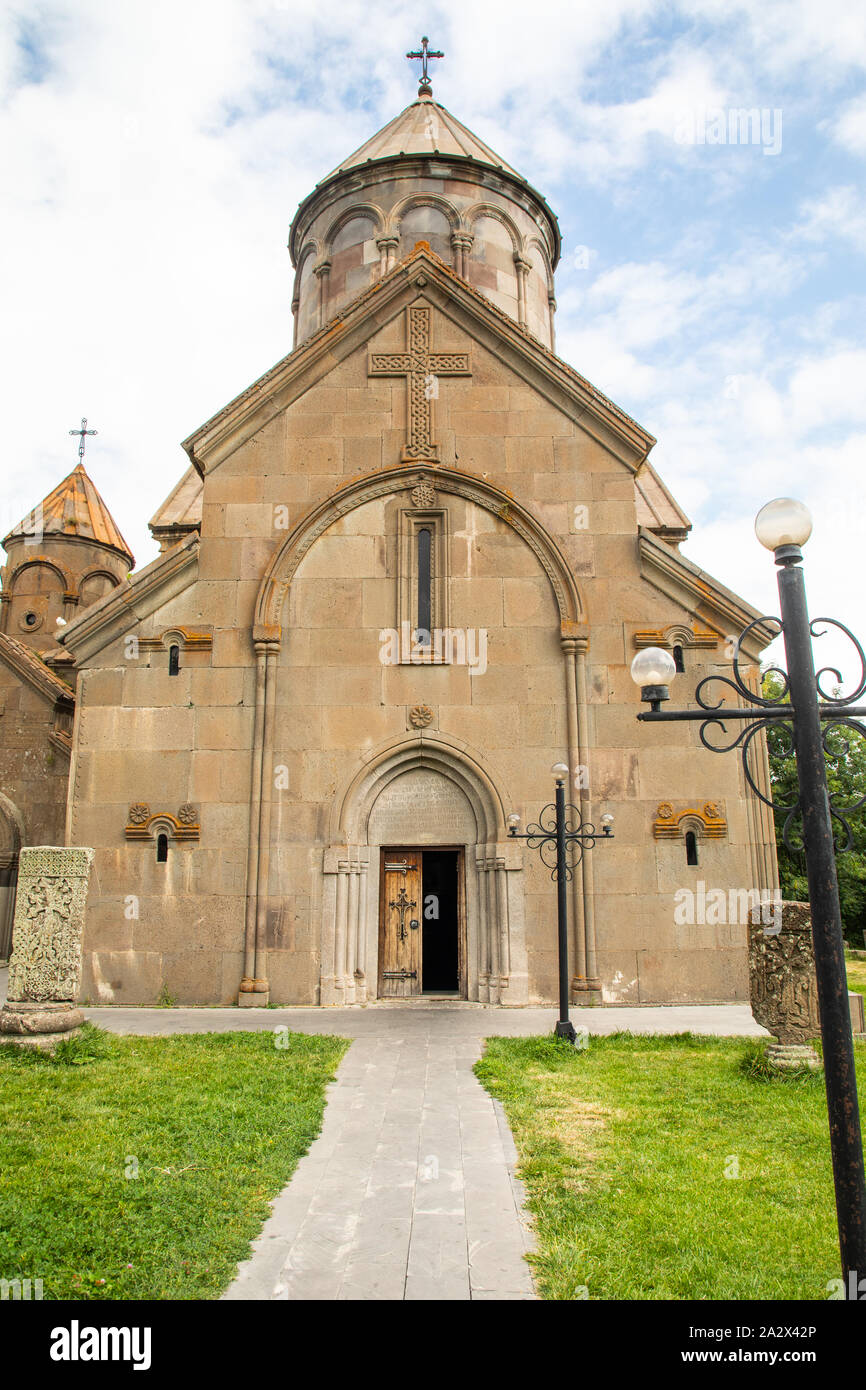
763 712
838 699
578 833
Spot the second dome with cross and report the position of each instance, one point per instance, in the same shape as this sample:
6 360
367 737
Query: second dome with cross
425 177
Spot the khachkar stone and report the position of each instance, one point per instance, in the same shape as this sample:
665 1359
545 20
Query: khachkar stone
782 984
45 969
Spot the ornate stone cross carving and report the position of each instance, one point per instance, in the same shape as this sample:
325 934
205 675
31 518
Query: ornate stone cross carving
422 368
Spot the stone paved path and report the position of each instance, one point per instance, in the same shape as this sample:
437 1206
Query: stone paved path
408 1193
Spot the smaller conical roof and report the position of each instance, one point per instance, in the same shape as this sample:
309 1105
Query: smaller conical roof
425 127
74 509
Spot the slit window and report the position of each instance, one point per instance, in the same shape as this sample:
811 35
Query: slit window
161 849
691 847
425 587
679 663
173 660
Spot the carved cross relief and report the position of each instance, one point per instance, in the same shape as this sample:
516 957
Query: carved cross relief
422 368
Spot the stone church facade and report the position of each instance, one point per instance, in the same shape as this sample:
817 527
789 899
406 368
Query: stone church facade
405 574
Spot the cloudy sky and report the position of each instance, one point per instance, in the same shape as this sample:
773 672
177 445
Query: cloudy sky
153 156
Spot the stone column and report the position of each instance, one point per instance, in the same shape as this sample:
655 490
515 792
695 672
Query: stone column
361 957
551 305
522 269
461 244
322 272
248 981
45 970
573 793
484 982
593 983
387 248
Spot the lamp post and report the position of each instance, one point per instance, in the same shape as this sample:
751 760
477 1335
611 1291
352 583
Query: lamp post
559 828
805 709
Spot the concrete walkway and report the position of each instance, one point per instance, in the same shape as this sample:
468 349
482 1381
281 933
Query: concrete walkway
410 1191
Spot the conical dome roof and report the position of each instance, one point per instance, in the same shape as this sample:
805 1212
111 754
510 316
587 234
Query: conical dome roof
74 509
425 127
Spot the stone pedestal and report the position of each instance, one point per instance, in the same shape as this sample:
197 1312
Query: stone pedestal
45 969
782 985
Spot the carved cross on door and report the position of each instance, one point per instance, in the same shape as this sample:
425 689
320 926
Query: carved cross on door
422 368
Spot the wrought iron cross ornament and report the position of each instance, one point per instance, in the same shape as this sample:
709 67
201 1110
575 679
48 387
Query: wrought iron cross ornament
81 437
402 903
424 53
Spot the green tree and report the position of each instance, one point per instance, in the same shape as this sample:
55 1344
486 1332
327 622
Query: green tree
846 777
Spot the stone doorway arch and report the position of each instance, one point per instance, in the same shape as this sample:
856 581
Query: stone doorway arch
390 799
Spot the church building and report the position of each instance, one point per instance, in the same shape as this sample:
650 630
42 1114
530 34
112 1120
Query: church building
403 576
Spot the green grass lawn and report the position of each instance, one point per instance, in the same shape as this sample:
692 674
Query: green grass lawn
212 1124
856 975
629 1151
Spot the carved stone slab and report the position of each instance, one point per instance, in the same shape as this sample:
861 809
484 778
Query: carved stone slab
49 918
782 985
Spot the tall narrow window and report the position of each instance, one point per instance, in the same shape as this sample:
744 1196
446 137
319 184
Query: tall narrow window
691 847
173 660
679 664
425 588
161 849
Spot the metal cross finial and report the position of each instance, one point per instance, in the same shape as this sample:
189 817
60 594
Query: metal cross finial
424 53
81 433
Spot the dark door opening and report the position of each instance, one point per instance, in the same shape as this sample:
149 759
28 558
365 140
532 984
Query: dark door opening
440 922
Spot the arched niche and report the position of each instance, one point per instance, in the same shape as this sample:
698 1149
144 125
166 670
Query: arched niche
425 791
427 222
95 586
37 592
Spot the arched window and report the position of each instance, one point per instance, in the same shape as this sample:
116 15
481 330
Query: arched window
173 660
161 849
678 658
691 847
425 588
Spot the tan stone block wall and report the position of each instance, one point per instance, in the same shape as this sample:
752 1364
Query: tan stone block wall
166 740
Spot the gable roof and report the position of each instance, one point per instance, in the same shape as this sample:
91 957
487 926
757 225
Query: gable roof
75 509
421 270
28 666
656 508
180 513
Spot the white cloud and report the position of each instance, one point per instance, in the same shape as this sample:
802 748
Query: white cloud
840 214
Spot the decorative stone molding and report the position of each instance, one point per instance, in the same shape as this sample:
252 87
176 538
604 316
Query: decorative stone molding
676 635
421 367
189 639
143 824
45 970
420 716
423 494
708 821
281 569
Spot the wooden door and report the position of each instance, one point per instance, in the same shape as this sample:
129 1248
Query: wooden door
400 924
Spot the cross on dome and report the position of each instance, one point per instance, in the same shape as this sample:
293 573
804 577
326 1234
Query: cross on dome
424 53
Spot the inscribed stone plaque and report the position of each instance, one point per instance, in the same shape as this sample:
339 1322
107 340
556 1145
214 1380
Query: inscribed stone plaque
422 807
